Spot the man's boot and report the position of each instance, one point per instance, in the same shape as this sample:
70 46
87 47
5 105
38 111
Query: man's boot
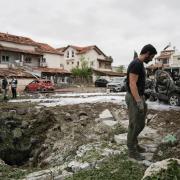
135 155
140 149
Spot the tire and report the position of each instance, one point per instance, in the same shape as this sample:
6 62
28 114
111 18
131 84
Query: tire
174 99
44 90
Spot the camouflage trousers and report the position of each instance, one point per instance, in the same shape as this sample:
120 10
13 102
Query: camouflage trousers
136 121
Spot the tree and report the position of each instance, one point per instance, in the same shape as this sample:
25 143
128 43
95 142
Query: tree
84 72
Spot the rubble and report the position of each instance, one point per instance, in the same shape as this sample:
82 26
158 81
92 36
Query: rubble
71 138
160 168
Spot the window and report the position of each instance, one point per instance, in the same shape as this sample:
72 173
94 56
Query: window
91 63
165 61
61 65
72 53
72 62
67 54
67 63
78 64
43 60
5 59
28 60
178 58
100 65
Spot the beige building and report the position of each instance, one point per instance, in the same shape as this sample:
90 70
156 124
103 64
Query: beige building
74 56
168 58
95 58
25 53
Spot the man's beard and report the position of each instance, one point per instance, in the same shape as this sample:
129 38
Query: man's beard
147 61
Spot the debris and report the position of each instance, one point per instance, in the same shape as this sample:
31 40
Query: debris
169 139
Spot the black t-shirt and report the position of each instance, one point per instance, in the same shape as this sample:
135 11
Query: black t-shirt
137 67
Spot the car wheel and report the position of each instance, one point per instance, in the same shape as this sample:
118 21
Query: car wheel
174 99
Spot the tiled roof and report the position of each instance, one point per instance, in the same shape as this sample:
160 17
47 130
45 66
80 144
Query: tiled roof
19 50
16 39
82 50
155 66
14 72
61 49
39 47
45 48
52 70
164 56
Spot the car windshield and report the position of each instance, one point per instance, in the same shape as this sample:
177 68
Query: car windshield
117 79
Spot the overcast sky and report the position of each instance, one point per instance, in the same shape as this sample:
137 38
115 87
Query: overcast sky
117 27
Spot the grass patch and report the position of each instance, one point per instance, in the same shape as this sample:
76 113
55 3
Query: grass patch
7 172
116 167
119 129
91 155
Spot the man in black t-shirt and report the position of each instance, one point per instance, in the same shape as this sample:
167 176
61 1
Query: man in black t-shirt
137 108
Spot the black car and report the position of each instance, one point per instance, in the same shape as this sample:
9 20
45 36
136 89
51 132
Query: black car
101 83
165 89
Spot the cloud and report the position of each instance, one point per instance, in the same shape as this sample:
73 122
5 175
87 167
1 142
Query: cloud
117 27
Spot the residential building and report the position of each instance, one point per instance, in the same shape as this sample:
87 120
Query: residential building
75 56
165 58
23 52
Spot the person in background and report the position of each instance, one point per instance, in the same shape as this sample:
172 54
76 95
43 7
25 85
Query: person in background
5 87
135 100
14 87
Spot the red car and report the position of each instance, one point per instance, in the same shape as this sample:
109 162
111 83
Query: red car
41 85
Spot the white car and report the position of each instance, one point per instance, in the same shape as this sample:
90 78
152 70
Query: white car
117 84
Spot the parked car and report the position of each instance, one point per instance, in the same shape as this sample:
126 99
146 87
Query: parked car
41 85
165 89
101 82
118 84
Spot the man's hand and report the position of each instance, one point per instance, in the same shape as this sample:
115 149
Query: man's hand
140 105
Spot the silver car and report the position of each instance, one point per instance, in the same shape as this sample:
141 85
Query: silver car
117 84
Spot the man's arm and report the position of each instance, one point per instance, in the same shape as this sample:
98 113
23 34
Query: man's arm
133 87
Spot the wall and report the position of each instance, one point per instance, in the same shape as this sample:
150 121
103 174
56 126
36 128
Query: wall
17 56
22 82
90 56
53 60
34 61
19 46
71 60
176 61
12 56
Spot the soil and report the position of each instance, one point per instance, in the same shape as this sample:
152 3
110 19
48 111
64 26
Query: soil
45 136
